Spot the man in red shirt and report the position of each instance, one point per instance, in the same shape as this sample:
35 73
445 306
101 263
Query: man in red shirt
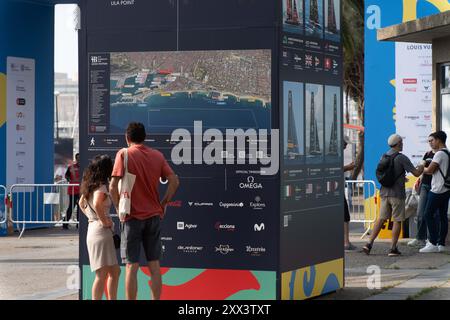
73 177
143 223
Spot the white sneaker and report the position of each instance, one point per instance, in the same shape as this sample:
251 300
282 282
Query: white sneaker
441 248
59 223
429 248
416 243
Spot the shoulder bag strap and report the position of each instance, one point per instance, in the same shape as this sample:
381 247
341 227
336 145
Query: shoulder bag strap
393 162
448 166
125 157
92 209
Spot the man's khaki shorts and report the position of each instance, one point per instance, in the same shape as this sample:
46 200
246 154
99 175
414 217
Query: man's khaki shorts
392 207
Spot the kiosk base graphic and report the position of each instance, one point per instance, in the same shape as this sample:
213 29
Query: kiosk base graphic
197 284
312 281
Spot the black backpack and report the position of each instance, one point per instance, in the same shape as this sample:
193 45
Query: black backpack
386 170
447 176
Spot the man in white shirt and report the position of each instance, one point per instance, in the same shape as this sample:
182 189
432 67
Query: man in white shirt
437 202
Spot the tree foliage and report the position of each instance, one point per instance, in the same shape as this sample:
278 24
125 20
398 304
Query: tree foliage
353 45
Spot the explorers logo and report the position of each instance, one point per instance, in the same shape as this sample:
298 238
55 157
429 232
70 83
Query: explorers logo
224 249
185 226
227 205
250 184
224 227
257 205
190 249
256 252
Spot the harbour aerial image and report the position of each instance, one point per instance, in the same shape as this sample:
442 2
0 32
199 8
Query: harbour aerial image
170 90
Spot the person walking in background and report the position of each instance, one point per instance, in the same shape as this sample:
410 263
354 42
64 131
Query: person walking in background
348 246
424 187
142 225
73 177
391 175
439 195
95 203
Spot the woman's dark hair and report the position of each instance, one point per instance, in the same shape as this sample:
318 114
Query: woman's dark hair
136 132
439 135
97 173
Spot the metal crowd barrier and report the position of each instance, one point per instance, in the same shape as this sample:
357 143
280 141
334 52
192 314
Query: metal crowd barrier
40 204
3 205
361 196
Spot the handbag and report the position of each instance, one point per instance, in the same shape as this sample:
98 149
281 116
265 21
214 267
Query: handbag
116 238
411 203
126 184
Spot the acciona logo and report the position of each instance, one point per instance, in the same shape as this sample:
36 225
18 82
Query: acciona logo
224 249
250 184
227 205
257 205
185 226
219 226
259 227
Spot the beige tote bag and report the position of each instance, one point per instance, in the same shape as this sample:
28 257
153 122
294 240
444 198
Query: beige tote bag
126 184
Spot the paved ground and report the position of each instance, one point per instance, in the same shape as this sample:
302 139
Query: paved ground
397 273
35 267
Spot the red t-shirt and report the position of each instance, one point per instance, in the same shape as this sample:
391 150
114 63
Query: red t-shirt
73 177
149 166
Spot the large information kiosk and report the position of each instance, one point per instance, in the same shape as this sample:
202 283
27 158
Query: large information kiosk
244 98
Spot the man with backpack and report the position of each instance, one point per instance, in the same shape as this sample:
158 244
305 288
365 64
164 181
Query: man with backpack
391 175
437 202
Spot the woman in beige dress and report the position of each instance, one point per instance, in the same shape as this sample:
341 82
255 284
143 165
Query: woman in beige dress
95 204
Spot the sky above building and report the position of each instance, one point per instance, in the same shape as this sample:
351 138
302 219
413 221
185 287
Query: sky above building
66 41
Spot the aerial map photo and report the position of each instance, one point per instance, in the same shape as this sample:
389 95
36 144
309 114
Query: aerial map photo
170 90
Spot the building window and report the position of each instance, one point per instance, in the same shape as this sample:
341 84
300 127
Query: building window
445 97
